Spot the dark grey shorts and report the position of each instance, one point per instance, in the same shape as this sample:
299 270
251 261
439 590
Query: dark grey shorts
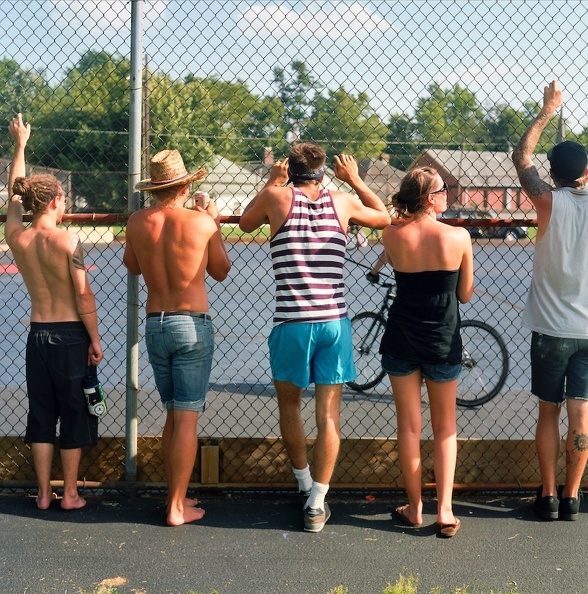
559 368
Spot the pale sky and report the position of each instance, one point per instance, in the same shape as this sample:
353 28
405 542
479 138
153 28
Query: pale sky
503 51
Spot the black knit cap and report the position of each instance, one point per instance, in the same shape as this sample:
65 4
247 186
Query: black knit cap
568 160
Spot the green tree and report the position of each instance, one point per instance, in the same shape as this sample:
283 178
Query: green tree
505 126
296 91
344 123
401 145
242 123
180 119
582 137
83 128
20 91
451 118
263 127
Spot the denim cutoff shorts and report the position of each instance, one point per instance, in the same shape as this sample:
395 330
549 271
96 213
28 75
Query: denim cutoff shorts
180 349
559 368
439 372
321 352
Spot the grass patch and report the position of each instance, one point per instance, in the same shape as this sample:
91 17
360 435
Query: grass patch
232 232
404 585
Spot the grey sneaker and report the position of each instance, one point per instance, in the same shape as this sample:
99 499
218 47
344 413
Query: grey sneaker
315 519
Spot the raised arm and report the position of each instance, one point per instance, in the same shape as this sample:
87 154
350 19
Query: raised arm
529 177
20 133
371 211
256 214
219 263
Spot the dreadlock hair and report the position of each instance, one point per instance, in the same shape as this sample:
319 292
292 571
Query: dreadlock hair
36 191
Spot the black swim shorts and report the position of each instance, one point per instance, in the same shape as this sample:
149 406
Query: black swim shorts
56 363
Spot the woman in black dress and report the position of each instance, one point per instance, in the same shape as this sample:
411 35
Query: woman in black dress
433 267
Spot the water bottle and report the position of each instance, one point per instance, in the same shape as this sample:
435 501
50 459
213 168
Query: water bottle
94 394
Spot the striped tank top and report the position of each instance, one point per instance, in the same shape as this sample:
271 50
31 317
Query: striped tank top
308 254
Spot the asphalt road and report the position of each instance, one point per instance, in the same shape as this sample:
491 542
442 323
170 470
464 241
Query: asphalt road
253 544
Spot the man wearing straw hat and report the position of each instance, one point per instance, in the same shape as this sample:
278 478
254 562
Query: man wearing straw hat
311 337
173 247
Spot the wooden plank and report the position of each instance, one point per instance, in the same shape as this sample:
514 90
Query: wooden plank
209 467
249 462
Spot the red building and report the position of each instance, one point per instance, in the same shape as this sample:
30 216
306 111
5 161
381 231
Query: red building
483 180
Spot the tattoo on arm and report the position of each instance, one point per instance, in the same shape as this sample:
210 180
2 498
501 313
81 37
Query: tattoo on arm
533 185
580 442
78 255
522 157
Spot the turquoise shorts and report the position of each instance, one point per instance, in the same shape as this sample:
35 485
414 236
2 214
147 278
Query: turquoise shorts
317 352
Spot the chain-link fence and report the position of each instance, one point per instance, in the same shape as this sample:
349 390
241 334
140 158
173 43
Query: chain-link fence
232 85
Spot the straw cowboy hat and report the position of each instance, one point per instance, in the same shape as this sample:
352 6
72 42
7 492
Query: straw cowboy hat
167 170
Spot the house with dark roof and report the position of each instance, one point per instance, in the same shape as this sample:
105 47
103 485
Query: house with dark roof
380 176
483 179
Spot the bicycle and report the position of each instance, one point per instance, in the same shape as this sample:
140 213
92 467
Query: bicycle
485 358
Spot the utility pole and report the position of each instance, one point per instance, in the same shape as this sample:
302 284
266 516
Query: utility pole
146 117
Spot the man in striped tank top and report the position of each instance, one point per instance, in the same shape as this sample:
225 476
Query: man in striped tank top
311 338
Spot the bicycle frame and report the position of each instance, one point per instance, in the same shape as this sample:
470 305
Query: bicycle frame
485 359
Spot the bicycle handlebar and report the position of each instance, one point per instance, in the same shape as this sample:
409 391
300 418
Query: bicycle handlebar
378 282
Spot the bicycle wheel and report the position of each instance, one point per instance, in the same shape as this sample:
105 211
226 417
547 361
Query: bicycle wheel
367 329
484 364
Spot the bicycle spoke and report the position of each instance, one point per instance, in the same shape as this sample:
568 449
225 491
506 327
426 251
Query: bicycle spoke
367 329
484 364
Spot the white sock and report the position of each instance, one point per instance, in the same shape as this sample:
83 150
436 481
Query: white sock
304 478
316 499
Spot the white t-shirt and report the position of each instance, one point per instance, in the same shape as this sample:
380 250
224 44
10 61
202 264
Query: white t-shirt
557 304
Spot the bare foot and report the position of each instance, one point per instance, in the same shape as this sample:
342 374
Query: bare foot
404 513
188 502
446 519
69 502
45 502
190 514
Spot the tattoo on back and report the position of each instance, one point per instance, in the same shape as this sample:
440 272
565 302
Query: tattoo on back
78 255
580 442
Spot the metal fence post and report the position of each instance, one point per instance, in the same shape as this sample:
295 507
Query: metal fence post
132 367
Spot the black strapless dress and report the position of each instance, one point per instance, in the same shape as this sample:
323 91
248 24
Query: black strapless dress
423 322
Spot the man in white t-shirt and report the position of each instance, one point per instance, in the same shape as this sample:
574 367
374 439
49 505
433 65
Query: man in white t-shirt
557 309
